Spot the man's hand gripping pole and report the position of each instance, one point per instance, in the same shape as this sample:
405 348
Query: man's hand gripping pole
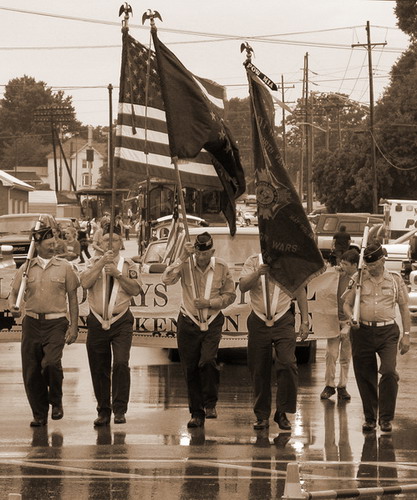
26 265
356 305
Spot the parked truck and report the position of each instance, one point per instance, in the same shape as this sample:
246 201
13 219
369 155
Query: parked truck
329 224
400 217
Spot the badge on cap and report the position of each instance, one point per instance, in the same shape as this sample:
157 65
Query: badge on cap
203 242
44 233
373 253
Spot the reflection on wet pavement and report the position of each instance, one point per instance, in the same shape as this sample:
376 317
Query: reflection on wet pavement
154 455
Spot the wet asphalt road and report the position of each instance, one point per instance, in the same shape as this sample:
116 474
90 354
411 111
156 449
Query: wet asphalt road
155 456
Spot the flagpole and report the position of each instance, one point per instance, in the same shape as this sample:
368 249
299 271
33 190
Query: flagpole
196 290
151 15
112 202
268 314
123 9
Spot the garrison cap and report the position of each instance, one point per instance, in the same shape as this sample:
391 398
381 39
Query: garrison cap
203 242
373 253
43 233
116 229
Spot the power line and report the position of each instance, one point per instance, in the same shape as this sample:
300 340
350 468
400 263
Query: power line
388 161
219 37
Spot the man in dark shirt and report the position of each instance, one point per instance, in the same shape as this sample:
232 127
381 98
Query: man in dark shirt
341 243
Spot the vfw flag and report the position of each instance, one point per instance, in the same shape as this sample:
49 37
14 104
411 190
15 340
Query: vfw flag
286 237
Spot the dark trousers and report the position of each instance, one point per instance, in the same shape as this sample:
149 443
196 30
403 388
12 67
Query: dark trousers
42 344
198 353
261 339
111 388
367 342
84 249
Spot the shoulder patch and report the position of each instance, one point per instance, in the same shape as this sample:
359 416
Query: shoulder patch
133 275
351 284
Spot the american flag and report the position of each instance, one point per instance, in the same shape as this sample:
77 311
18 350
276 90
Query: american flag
142 142
175 231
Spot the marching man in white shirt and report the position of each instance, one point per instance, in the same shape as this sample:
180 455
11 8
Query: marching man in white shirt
200 321
276 332
111 282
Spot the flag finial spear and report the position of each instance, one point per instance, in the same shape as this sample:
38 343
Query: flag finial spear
151 14
249 51
125 9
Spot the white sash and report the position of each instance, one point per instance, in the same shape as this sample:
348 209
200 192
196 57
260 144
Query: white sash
275 298
105 323
207 293
209 282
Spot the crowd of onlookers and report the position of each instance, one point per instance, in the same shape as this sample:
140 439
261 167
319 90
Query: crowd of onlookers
81 239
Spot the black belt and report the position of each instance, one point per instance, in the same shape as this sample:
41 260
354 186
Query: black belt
377 323
44 316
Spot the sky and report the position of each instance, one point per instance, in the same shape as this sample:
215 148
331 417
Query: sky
76 46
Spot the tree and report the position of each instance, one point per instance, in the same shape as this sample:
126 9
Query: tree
22 97
25 150
237 117
342 178
406 12
333 119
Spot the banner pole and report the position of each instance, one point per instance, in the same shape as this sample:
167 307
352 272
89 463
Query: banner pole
249 50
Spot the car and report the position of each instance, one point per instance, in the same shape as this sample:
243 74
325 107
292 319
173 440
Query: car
15 230
162 226
6 257
412 294
328 224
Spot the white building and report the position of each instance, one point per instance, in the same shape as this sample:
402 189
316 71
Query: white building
83 163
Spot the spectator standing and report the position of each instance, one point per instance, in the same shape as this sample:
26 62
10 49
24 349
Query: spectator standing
339 346
73 246
84 243
341 243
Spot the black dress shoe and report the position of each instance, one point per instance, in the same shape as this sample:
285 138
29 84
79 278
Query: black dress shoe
119 418
39 422
57 412
100 421
282 421
385 426
261 424
369 425
195 422
211 413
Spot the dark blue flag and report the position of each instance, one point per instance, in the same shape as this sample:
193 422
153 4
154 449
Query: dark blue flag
286 237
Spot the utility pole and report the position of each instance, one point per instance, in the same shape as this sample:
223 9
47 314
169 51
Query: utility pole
309 136
284 135
54 114
369 46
